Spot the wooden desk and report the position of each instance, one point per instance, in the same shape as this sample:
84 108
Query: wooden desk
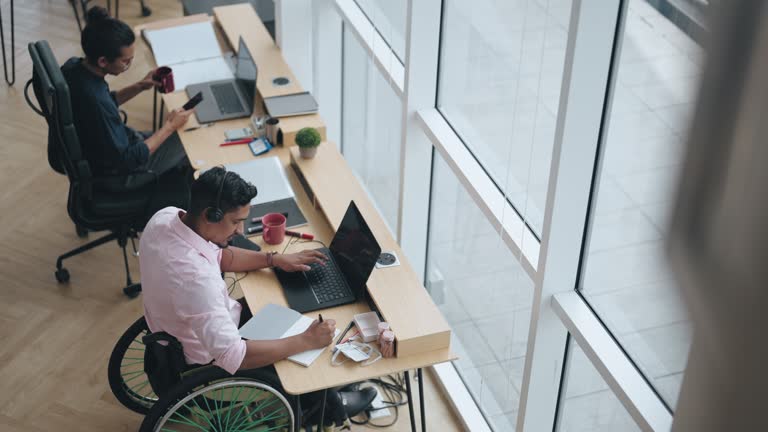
423 336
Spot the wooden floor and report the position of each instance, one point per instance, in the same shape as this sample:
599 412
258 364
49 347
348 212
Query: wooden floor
55 339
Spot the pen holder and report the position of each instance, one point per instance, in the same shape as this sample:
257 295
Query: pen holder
273 132
387 344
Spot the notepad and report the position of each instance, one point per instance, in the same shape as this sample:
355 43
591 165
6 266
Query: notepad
279 322
192 51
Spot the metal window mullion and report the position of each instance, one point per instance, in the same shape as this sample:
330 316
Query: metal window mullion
489 199
585 84
327 66
382 54
623 378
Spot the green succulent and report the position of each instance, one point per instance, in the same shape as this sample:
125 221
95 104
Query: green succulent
308 137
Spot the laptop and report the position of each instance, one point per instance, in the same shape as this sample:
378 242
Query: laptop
228 99
291 105
351 257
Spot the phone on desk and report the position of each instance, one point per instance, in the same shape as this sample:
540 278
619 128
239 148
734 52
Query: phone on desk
196 99
236 134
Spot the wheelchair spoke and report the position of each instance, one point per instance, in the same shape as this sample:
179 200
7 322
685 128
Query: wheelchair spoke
244 409
186 421
203 413
235 397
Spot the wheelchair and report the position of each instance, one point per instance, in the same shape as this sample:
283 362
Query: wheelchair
195 398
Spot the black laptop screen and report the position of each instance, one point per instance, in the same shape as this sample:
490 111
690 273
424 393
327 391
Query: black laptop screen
355 250
245 72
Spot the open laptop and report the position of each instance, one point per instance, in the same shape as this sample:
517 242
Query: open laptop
228 99
352 255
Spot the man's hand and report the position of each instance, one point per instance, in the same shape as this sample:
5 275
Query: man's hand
298 261
148 81
178 118
319 334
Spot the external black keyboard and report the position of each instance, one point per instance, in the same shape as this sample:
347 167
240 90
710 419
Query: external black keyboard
226 98
326 282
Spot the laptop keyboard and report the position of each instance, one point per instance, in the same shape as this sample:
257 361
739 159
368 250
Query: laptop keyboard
326 282
226 98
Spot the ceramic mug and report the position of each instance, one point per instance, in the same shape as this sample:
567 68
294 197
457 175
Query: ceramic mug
274 228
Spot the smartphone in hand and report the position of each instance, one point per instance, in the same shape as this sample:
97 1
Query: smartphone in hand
196 99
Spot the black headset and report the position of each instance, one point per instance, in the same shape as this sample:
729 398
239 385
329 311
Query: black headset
215 214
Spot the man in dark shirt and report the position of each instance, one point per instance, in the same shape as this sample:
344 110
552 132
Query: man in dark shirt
110 146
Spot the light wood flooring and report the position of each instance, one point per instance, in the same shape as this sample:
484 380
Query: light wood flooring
55 339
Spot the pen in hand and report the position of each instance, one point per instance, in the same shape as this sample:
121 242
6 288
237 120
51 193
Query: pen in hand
320 316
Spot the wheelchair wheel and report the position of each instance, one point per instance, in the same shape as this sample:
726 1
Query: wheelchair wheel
210 399
127 379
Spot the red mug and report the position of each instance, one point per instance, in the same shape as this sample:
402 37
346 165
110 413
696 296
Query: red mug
274 228
164 75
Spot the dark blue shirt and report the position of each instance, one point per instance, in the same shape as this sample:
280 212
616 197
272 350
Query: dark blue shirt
107 143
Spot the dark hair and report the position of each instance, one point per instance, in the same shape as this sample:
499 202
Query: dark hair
235 192
104 36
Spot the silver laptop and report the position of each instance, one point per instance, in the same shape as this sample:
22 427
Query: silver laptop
228 99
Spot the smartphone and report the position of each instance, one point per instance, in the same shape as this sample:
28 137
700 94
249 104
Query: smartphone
196 99
236 134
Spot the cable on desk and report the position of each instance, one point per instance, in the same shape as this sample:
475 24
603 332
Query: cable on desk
13 49
235 280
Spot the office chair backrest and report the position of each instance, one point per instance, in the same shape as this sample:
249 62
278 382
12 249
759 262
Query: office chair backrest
52 92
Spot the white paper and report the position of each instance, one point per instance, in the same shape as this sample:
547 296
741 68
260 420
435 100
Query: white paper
180 44
268 175
307 357
201 71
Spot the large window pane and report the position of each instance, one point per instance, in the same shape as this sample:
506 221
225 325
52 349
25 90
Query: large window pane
501 68
586 402
371 128
484 294
627 280
388 17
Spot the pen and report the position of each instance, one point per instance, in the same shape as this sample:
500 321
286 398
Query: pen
299 235
255 229
341 337
235 142
321 317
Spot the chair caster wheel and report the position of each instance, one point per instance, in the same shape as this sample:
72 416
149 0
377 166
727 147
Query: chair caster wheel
145 11
81 232
133 290
62 275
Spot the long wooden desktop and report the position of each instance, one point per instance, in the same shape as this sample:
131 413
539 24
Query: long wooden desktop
323 187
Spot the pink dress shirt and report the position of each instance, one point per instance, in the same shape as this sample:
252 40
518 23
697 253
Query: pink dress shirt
184 294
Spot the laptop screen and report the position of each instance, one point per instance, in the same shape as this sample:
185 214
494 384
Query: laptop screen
245 72
355 250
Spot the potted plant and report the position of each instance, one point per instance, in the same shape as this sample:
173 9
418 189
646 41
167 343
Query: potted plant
308 139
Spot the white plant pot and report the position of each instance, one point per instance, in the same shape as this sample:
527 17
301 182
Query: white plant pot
307 152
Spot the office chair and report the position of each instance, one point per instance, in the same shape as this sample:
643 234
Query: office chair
145 11
116 203
145 364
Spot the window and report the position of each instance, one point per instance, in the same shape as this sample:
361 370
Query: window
626 279
501 68
371 129
484 294
388 17
586 402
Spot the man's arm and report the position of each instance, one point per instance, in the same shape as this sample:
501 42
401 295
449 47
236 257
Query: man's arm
236 259
267 352
176 119
125 94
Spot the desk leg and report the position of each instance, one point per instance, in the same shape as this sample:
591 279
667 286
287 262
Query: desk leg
297 428
421 400
322 412
410 400
162 113
154 111
13 49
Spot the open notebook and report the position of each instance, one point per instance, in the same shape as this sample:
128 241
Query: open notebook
192 51
278 322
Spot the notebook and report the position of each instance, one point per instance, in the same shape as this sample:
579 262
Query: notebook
197 60
278 322
291 105
275 194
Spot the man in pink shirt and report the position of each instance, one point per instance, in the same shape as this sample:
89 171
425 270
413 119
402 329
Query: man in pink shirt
182 255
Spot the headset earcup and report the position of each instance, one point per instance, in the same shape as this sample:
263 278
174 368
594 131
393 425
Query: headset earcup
214 215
